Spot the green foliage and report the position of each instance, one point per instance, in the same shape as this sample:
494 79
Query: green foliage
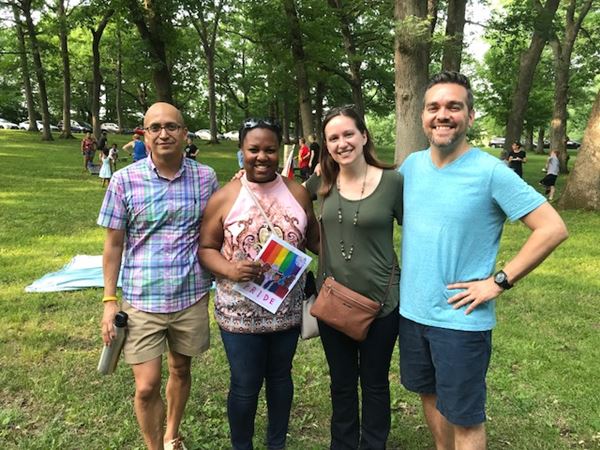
10 86
508 35
542 383
382 129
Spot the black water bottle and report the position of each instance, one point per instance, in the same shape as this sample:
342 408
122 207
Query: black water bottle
110 353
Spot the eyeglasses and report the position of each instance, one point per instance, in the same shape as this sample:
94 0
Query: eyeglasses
170 127
253 123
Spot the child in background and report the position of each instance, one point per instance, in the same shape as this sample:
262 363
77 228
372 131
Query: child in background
113 155
552 169
105 170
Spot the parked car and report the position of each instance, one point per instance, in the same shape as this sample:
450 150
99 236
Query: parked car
110 127
86 126
233 135
497 142
570 144
76 127
573 144
203 134
39 124
8 125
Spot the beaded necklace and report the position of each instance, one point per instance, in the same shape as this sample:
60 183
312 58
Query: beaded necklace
348 256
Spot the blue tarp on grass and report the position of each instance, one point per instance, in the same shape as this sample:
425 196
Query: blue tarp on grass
83 271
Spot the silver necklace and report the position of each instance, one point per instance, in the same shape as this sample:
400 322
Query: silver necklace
348 256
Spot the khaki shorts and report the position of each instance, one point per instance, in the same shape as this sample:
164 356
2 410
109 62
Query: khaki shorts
187 332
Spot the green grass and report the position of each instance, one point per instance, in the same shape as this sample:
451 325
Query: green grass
543 380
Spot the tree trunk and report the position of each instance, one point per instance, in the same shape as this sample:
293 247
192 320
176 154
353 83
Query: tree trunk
528 62
300 63
319 96
39 70
119 82
539 149
285 123
153 27
208 31
212 98
455 26
529 140
558 125
562 64
25 70
411 61
97 75
64 54
354 60
582 189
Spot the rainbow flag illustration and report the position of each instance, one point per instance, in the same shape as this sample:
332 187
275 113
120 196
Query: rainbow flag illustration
286 265
286 261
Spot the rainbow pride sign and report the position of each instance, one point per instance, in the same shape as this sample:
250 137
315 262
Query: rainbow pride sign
283 264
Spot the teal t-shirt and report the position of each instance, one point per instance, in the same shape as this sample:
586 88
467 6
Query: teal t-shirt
452 223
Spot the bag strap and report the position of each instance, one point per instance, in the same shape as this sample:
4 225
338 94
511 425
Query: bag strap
321 246
257 203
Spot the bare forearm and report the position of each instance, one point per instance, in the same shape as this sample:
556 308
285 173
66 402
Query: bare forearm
540 244
111 265
214 261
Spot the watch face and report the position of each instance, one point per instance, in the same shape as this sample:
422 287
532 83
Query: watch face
500 277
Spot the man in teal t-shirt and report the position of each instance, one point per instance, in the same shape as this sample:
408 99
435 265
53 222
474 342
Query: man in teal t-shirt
456 200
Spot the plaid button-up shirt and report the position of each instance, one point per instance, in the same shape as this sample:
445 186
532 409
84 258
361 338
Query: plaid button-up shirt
161 270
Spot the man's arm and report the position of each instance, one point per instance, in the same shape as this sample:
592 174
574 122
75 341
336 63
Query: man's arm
548 231
127 146
111 265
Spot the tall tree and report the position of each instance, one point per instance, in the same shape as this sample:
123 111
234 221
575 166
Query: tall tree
582 189
63 32
528 62
97 33
26 8
153 21
119 79
453 44
295 36
411 62
25 75
562 65
205 18
354 60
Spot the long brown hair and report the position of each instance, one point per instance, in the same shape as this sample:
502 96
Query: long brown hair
329 168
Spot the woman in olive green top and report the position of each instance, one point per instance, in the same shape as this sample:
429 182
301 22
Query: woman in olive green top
361 198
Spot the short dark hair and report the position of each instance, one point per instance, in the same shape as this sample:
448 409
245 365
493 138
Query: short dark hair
450 76
517 143
252 123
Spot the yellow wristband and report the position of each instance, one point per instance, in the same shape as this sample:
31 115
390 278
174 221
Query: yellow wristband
109 298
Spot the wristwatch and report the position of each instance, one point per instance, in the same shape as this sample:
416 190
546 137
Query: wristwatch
501 280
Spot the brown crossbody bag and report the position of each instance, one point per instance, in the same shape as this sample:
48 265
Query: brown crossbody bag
342 308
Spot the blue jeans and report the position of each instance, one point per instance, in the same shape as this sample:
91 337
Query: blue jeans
252 359
368 361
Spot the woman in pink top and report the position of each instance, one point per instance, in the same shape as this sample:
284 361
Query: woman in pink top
260 345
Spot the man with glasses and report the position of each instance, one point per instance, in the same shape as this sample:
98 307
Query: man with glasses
152 213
